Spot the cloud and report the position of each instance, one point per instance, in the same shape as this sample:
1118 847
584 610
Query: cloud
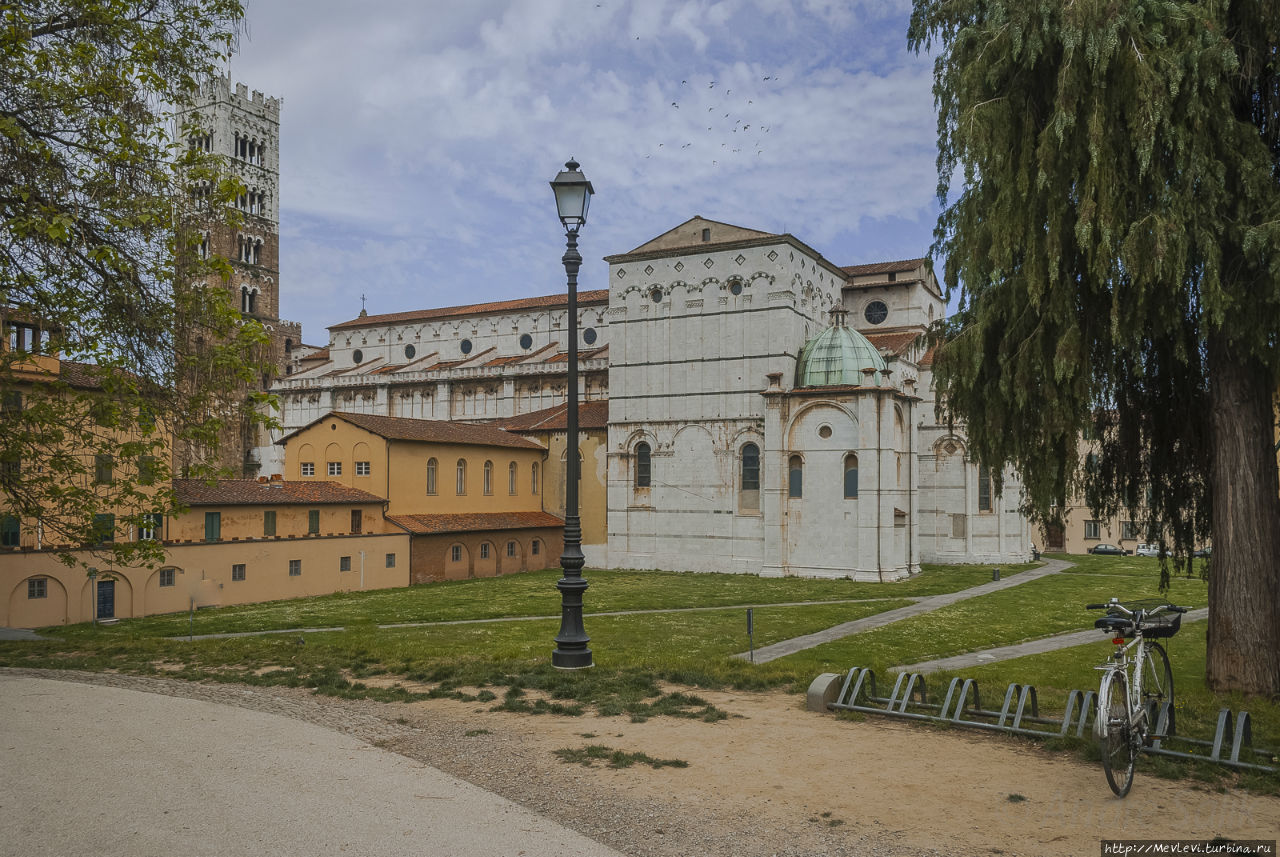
418 139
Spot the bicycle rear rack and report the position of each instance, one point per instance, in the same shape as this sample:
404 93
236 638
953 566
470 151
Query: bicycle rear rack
1019 714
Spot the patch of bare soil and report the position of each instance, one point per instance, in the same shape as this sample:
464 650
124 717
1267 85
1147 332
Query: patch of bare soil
778 779
774 780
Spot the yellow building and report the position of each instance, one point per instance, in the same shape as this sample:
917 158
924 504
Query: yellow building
241 542
549 427
471 496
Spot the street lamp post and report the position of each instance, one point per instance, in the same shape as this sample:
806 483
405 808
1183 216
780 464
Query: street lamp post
573 196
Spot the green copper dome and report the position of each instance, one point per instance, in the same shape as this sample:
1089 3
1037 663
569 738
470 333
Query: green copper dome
837 356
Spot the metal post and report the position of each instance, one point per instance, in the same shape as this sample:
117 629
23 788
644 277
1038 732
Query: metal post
571 650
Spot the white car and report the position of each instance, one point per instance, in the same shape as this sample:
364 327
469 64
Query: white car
1147 550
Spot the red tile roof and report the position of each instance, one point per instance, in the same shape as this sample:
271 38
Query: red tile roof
250 492
321 354
895 342
430 525
927 359
429 431
598 296
591 415
883 267
563 356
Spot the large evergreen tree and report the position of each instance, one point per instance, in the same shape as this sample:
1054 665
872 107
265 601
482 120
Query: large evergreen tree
1110 179
99 228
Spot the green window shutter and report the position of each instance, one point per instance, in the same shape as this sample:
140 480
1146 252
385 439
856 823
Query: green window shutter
269 523
212 526
313 521
10 531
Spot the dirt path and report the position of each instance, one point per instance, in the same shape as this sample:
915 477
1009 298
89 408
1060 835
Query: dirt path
774 779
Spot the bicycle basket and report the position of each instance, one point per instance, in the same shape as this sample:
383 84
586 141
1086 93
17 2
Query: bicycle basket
1164 625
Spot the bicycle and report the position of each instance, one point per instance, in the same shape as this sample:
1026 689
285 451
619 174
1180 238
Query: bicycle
1128 706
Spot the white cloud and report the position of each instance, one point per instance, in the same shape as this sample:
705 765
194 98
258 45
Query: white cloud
419 138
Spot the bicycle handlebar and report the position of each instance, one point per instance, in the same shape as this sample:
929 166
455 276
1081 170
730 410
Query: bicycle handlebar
1116 605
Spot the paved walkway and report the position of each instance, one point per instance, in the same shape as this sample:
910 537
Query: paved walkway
18 634
233 634
107 771
924 605
1030 647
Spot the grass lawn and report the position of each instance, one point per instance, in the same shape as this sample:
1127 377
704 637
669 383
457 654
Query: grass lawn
500 662
534 594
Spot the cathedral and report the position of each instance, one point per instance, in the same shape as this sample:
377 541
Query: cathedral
761 410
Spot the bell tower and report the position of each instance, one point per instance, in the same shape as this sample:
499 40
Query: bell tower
244 128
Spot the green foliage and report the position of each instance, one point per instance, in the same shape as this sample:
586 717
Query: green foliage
97 253
589 755
1112 221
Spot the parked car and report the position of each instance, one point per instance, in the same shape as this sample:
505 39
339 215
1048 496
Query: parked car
1106 550
1203 553
1147 550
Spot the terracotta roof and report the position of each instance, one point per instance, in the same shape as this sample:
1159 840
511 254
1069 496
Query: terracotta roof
79 375
563 356
591 415
429 525
927 359
895 342
430 431
319 354
883 267
597 296
250 492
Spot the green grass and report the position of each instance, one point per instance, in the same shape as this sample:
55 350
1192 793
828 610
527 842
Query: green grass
534 594
1040 608
505 664
589 755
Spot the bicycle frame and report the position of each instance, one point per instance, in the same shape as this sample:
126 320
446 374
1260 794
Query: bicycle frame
1120 661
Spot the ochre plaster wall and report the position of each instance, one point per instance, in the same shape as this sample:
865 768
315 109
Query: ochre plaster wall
203 575
432 555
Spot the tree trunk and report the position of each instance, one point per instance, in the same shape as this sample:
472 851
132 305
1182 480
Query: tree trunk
1244 572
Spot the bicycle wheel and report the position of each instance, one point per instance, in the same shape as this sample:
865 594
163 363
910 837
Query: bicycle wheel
1157 678
1115 735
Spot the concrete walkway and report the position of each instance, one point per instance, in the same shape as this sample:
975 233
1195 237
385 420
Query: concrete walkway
107 771
924 605
18 634
391 627
1030 647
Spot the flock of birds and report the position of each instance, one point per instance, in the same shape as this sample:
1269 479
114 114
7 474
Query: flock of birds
725 117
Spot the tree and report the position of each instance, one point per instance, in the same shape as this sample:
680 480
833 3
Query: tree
1115 236
99 261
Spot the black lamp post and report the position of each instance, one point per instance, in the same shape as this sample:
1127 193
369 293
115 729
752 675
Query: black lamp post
573 196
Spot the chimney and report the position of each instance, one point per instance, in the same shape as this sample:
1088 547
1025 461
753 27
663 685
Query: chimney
277 477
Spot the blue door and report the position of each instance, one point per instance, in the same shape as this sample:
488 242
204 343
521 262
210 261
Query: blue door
106 599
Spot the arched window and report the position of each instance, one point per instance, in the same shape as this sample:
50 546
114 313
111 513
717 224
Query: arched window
461 486
643 476
431 476
244 299
511 478
984 490
533 479
488 478
795 477
851 477
749 491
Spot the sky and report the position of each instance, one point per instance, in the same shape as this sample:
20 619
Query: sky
418 138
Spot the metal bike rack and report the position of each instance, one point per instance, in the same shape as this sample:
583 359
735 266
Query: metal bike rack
1019 714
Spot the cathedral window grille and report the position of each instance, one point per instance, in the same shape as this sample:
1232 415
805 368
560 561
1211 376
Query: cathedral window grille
851 477
643 474
460 487
795 477
749 496
431 476
984 490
